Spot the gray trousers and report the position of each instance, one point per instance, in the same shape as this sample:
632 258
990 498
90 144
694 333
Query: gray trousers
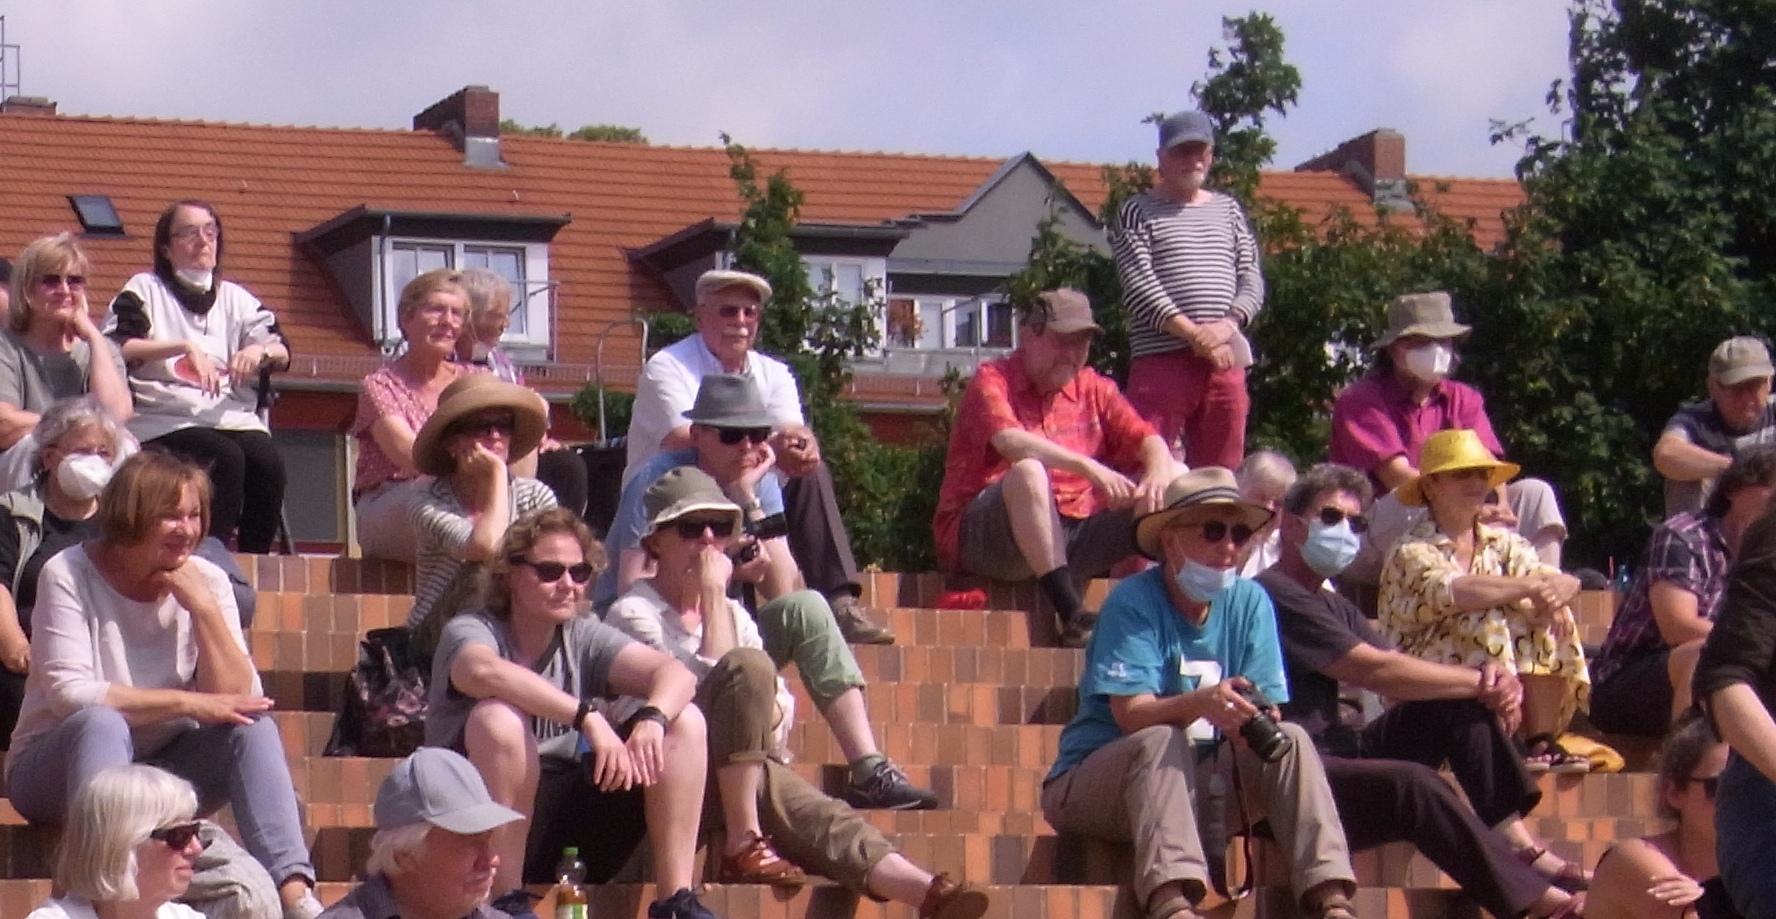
239 765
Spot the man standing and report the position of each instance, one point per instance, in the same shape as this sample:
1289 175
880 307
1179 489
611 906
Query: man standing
727 317
1702 439
1384 775
1034 483
1191 280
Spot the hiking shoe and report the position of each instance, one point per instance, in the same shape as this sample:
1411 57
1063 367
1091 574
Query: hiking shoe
888 789
681 905
855 625
946 899
517 903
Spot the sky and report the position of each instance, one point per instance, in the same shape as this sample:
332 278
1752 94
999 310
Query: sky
1065 79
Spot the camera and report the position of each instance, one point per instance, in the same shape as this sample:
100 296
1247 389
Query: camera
1262 733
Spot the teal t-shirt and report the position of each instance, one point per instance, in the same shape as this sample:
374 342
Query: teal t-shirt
1143 645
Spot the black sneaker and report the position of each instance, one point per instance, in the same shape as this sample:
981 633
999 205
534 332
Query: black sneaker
516 903
855 625
681 905
1077 631
887 788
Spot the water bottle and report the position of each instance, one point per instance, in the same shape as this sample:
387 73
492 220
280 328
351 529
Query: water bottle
1624 578
570 886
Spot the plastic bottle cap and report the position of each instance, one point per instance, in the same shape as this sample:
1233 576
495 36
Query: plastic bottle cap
571 850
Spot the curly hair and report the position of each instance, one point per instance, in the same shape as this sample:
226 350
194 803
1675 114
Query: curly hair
525 533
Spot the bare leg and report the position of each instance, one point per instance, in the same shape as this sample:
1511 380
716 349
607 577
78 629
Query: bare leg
1543 697
674 804
738 784
1035 524
500 745
849 718
898 879
1681 666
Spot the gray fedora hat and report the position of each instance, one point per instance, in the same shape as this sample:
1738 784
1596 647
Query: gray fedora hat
1428 314
729 400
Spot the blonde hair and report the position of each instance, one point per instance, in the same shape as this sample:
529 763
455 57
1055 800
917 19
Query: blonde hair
525 532
144 488
44 255
116 810
417 290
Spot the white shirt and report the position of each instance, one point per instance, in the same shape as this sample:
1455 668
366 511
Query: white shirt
81 908
668 389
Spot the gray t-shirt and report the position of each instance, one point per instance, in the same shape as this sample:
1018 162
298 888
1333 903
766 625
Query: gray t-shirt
30 380
578 661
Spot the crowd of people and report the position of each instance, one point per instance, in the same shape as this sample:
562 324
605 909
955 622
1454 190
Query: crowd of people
597 694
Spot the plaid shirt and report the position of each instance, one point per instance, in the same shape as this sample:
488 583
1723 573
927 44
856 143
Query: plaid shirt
1686 550
1088 416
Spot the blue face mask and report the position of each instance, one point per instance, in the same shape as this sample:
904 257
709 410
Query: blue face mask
1330 549
1202 583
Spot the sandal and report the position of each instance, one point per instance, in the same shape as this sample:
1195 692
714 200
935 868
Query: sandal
1547 755
1570 877
758 863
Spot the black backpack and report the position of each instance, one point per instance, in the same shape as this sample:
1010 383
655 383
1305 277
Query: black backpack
385 699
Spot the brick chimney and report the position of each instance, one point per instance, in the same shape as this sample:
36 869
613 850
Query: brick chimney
27 105
1376 161
470 117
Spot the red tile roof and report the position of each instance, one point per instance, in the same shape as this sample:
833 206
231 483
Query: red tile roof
272 182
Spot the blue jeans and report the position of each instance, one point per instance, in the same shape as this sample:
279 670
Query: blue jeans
1745 844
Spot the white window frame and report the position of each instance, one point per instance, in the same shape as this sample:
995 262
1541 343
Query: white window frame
538 337
950 306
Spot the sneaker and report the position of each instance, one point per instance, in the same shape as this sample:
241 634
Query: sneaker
681 905
946 899
887 788
855 625
516 903
1077 631
306 908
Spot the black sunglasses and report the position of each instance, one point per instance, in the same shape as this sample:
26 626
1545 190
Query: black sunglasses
1710 784
1332 516
550 572
693 527
1214 531
732 436
178 836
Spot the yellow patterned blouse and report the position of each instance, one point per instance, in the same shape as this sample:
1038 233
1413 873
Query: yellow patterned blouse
1417 610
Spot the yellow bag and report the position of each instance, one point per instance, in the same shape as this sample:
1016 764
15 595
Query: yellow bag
1603 757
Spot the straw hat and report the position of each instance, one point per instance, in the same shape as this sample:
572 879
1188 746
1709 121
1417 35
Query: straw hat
465 397
1204 486
1449 451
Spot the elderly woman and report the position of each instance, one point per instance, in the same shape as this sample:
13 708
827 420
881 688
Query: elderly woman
393 405
137 656
1671 874
130 847
1458 590
517 687
196 346
490 311
50 348
684 610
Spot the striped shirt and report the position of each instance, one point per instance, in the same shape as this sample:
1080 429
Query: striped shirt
443 528
1199 260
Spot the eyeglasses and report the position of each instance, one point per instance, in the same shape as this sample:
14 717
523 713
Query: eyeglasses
734 311
550 572
208 231
481 427
1710 784
53 281
178 836
692 528
732 436
1214 531
1332 516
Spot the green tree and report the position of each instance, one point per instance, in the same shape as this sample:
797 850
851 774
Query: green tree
614 133
508 126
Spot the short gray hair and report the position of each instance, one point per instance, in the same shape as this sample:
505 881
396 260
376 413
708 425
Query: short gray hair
117 809
1265 467
71 414
1323 478
485 288
387 847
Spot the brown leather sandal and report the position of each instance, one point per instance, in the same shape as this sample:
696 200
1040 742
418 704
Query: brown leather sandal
759 863
1570 876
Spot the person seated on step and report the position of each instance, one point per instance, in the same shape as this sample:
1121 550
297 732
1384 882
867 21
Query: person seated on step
433 853
1703 438
1457 589
1263 477
776 823
519 686
1047 466
1169 675
729 307
137 655
729 437
1641 677
129 848
1384 774
1672 873
1381 421
480 427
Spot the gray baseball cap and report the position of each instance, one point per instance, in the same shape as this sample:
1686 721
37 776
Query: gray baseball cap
1739 359
439 787
1185 127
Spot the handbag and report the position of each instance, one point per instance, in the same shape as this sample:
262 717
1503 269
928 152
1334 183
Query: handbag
385 699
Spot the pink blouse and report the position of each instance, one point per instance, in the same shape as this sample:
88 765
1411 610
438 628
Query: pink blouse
386 394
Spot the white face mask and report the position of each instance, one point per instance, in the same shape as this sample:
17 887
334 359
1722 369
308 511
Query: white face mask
83 475
1430 362
196 277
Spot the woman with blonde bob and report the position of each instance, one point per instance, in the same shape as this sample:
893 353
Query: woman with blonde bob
393 405
51 348
128 850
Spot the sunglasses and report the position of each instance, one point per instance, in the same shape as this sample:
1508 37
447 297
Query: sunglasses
1216 530
1332 516
692 528
178 836
732 311
486 426
1710 784
550 572
732 436
53 281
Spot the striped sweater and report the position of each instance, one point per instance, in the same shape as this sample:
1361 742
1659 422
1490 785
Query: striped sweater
1200 260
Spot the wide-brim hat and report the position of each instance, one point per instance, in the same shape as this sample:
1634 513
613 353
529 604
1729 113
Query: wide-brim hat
729 400
684 490
1428 314
1451 451
1190 493
463 398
